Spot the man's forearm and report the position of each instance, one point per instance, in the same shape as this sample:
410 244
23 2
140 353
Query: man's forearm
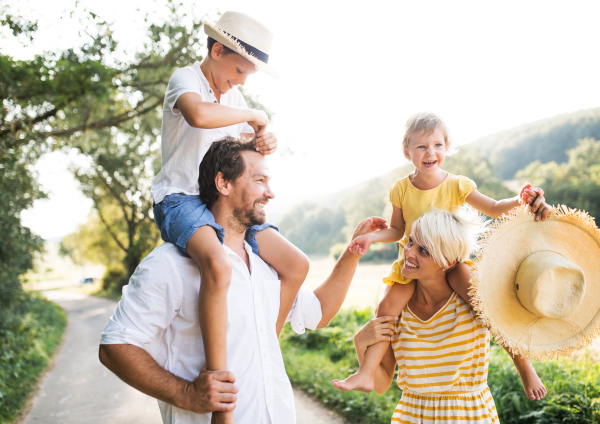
333 291
137 368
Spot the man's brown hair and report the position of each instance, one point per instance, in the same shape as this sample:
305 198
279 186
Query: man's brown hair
223 156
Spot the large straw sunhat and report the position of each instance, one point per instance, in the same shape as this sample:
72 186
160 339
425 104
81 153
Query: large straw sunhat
537 284
244 35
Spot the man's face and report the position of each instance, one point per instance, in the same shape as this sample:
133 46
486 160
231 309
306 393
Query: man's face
251 191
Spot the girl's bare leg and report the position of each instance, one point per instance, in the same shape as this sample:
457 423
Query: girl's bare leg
394 300
459 279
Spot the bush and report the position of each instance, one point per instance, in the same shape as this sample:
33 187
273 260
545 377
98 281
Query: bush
30 332
315 358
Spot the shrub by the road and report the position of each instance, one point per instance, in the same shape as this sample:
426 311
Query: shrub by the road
315 358
29 334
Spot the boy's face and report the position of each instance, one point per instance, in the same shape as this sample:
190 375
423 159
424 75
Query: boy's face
229 69
427 151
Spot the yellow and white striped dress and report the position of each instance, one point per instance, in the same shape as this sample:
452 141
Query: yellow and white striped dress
443 367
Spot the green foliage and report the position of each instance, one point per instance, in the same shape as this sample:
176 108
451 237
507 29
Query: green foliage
546 140
315 358
575 183
30 332
313 228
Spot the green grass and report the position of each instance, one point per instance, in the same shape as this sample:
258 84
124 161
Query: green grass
29 334
315 358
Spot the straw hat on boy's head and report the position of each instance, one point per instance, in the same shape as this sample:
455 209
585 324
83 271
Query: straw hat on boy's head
245 36
537 284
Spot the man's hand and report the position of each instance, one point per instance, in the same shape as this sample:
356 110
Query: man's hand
266 143
211 391
259 122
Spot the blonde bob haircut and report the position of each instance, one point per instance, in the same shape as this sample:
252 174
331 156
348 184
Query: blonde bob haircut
449 236
427 122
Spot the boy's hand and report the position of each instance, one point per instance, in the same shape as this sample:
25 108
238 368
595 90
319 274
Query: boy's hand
535 198
266 143
259 122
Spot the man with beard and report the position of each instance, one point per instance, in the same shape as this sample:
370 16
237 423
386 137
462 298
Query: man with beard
154 343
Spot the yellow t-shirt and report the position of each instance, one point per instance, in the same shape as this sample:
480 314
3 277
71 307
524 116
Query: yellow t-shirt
451 193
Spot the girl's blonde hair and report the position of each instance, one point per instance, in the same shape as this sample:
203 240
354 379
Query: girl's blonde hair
427 122
449 236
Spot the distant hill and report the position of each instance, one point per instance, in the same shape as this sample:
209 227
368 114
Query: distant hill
546 140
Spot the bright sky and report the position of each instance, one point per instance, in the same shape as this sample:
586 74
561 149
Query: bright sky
352 72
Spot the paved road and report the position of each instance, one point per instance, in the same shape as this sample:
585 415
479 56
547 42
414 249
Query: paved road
78 389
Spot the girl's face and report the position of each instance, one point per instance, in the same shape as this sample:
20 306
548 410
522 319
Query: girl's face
427 152
418 264
229 69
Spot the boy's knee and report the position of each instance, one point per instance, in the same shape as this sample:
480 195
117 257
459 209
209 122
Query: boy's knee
297 269
218 266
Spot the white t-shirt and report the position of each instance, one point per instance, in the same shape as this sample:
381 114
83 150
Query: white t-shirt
183 146
159 313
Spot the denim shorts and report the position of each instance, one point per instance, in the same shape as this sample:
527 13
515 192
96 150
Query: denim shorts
178 216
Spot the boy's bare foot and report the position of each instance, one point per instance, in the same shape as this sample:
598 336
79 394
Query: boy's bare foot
533 386
358 381
222 418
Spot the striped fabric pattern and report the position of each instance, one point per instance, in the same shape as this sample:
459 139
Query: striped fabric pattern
443 366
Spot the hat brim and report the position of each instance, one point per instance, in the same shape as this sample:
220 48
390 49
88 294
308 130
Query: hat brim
213 31
570 233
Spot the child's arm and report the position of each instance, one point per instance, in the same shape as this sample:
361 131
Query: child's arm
200 114
495 208
393 233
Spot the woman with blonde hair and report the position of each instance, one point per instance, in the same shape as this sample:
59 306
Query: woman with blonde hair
440 346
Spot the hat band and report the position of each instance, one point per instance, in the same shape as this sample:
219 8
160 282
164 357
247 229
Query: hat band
260 55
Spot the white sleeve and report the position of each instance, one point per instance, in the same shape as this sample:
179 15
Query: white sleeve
306 311
149 303
246 128
182 81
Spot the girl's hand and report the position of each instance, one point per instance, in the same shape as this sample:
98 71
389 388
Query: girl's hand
377 330
360 245
266 143
369 225
535 198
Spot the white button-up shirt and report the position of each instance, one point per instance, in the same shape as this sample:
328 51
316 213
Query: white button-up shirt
159 313
183 146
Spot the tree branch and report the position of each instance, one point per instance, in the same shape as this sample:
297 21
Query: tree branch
113 235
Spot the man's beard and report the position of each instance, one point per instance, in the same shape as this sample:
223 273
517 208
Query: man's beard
251 217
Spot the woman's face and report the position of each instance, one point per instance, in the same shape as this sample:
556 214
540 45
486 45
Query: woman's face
418 263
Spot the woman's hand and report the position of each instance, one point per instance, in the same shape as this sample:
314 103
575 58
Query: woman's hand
377 330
